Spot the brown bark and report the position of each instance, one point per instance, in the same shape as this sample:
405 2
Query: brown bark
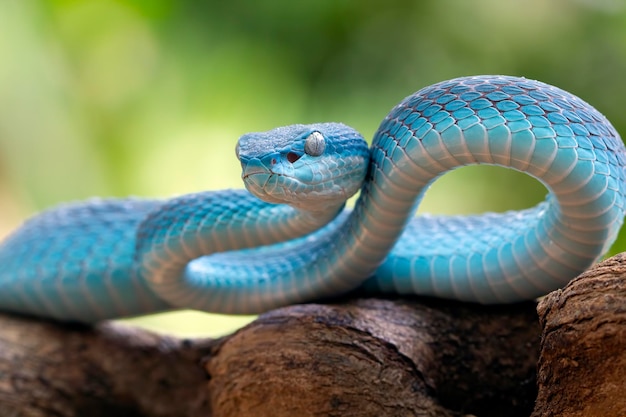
365 357
582 368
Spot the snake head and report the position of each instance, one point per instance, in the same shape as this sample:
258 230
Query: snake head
310 167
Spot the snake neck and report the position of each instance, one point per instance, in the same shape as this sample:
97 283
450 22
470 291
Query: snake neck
196 225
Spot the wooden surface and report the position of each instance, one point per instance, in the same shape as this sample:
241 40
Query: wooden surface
352 357
582 368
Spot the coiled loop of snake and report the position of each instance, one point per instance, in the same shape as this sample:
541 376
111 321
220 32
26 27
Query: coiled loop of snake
113 258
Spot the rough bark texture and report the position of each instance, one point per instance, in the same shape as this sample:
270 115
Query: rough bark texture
380 358
582 368
358 357
364 357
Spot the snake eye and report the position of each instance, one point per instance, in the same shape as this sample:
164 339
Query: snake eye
314 144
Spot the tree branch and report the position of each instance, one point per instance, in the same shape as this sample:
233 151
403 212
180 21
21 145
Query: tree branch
352 357
581 369
365 357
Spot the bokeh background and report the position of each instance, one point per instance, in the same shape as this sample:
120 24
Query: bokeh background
148 97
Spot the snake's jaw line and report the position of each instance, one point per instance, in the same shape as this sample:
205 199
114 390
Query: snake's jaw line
112 258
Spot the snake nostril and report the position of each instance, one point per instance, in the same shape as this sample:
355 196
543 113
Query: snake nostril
292 157
273 162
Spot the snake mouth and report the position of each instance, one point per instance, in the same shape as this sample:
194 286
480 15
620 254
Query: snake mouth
256 174
254 170
258 179
263 184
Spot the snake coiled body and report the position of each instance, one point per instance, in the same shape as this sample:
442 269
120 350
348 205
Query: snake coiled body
238 251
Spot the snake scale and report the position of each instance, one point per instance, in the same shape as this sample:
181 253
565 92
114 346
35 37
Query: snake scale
288 239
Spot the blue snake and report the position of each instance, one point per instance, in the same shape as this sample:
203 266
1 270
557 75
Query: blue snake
288 239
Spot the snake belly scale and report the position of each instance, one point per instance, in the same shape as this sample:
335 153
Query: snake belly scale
287 239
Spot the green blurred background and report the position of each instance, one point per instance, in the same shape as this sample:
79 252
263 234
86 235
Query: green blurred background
148 97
